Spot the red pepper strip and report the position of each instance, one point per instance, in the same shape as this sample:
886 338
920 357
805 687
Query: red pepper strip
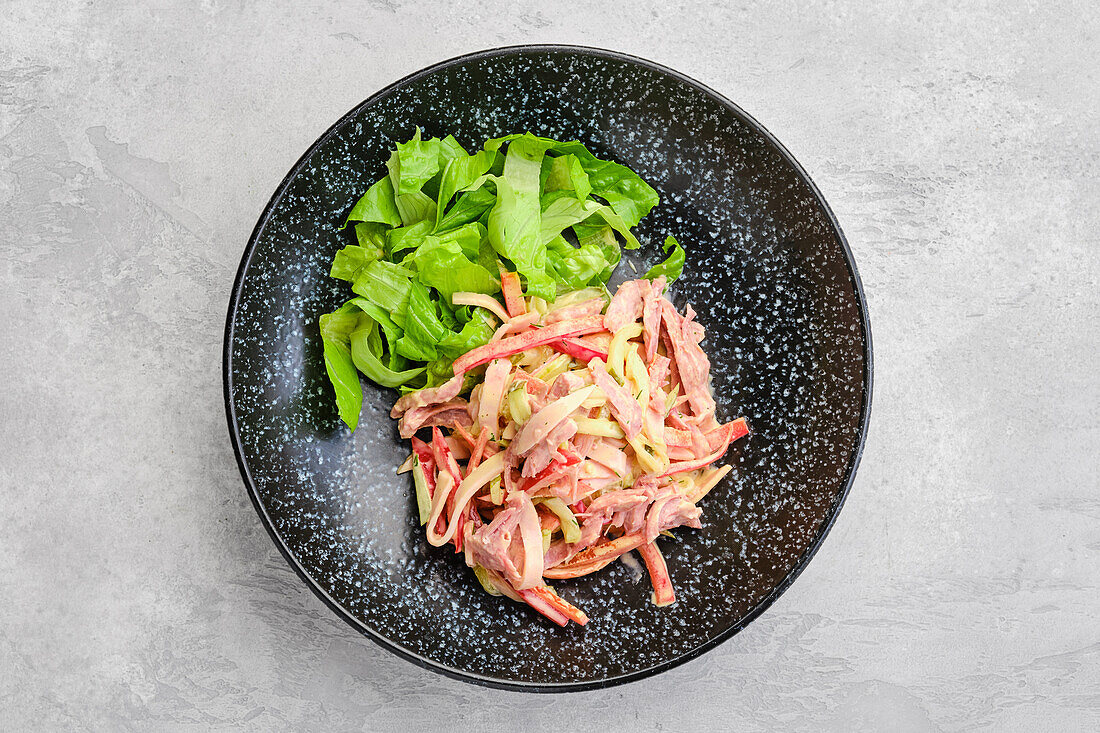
663 593
426 458
524 341
422 450
715 438
443 456
676 421
535 487
479 450
513 293
594 558
738 427
558 603
568 458
465 435
446 460
540 476
578 350
543 606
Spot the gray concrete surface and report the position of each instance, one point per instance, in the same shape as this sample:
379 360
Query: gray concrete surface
960 148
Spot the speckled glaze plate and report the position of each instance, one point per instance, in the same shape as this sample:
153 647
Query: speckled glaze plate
773 281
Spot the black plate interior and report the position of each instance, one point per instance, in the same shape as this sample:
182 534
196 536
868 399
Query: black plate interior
767 270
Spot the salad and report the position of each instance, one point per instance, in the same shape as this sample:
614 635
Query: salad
554 427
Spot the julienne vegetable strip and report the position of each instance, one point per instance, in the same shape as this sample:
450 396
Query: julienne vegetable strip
532 339
562 427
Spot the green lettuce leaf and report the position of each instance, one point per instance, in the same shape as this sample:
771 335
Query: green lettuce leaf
602 238
443 264
626 192
366 354
462 174
579 267
472 205
611 220
439 371
371 235
450 148
468 236
350 261
414 207
390 330
410 237
442 221
476 332
566 173
673 266
376 205
423 329
386 285
336 331
413 163
411 167
515 220
449 316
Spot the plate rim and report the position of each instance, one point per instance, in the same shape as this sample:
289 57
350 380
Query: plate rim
473 677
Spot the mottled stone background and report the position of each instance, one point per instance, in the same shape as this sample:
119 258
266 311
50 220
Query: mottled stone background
960 149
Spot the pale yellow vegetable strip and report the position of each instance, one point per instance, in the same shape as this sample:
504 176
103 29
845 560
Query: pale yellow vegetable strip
616 352
486 584
519 404
596 399
481 300
650 463
490 467
534 356
423 499
636 379
502 585
706 482
407 465
637 373
570 530
549 371
600 427
492 394
444 483
540 306
576 296
671 401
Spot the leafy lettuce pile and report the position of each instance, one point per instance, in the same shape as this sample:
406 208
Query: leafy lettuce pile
446 221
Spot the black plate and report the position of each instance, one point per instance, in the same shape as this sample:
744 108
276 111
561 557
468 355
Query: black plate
768 271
